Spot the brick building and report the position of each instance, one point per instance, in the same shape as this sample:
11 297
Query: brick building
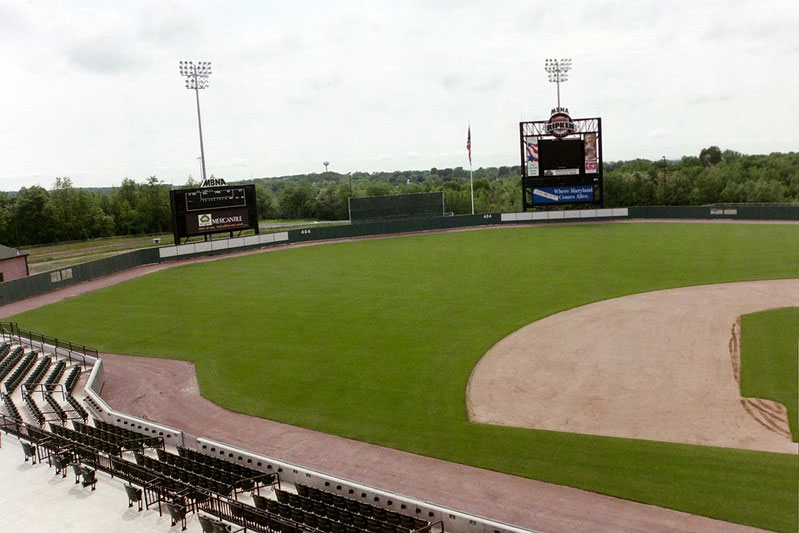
13 263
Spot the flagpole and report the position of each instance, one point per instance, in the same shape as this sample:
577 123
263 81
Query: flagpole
471 184
471 176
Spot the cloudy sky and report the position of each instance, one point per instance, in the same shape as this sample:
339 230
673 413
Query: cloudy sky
91 90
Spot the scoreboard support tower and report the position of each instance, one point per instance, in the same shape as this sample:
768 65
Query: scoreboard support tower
561 161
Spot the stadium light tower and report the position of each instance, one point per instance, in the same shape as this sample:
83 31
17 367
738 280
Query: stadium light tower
558 71
196 75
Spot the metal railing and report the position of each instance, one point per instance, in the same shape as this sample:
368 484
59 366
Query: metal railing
72 352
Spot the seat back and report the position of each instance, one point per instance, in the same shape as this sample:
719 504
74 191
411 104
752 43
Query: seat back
134 493
206 524
259 501
28 450
177 512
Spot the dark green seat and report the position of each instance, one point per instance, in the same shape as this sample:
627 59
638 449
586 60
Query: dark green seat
30 452
259 501
207 524
61 463
89 477
76 469
177 513
134 495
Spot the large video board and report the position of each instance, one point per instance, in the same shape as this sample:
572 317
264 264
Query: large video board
561 161
213 210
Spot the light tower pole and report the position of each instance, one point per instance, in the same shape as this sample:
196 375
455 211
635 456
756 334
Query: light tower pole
558 71
196 75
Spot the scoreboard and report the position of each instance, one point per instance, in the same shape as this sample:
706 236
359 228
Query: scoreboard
561 161
202 199
213 210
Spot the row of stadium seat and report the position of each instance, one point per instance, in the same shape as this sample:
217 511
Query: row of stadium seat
358 506
128 439
98 443
57 409
36 412
77 407
127 433
362 515
38 373
72 379
219 486
11 408
218 462
240 478
10 361
326 518
54 376
20 372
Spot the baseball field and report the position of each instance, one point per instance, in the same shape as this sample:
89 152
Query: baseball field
376 340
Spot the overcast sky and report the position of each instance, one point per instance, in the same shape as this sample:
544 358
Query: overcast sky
91 90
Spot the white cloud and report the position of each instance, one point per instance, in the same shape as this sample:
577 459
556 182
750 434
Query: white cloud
94 90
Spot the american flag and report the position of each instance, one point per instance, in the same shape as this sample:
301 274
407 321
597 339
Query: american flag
469 144
532 152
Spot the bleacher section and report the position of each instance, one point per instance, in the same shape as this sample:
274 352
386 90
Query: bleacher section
186 480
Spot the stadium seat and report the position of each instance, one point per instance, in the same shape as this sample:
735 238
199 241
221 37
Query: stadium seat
273 506
207 524
30 451
259 501
89 477
134 496
76 469
177 513
211 525
61 463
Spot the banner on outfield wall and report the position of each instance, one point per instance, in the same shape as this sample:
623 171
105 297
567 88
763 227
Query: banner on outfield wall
558 195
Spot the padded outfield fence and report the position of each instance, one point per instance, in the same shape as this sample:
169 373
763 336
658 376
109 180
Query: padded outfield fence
19 289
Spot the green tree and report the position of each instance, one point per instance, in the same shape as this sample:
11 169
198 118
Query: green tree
710 156
297 201
34 215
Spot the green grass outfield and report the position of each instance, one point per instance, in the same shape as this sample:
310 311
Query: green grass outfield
375 340
769 357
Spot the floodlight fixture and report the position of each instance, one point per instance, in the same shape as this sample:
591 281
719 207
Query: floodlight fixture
558 71
196 75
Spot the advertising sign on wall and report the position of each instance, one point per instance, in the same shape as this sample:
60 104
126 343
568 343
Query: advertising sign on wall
560 195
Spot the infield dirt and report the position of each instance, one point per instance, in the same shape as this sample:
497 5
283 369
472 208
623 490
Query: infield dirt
654 366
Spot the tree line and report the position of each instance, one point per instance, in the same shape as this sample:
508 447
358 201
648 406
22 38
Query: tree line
35 215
